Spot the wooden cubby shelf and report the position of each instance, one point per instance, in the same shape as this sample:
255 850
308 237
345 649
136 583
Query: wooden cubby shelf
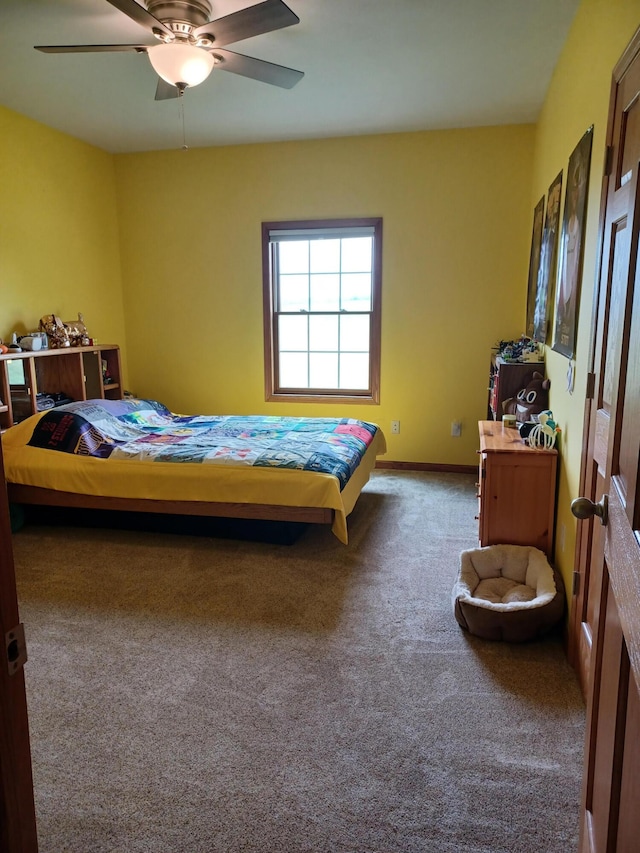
72 373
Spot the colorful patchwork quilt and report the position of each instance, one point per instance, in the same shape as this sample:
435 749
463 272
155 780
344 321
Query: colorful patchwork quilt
147 430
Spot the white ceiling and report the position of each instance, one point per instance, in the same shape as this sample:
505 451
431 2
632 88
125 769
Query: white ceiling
371 66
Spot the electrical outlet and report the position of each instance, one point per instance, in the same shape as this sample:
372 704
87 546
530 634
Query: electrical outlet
456 429
395 427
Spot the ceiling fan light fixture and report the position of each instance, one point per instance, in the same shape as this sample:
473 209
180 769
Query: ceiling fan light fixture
181 63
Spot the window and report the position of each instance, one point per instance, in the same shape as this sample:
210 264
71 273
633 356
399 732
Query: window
322 289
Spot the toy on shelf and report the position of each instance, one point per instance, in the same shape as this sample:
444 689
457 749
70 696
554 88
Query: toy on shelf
524 349
529 401
545 432
61 334
14 346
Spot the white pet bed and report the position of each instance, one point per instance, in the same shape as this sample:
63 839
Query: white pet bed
507 592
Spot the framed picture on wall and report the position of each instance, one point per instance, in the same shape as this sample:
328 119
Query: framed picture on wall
567 297
548 262
534 263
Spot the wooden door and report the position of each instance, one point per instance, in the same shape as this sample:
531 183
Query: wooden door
17 814
619 250
606 625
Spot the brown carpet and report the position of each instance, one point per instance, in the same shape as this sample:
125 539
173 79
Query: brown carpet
199 694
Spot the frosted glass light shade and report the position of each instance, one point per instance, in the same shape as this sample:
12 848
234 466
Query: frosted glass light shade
181 63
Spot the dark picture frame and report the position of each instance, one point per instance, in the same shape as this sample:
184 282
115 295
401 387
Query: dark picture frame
534 263
567 297
545 290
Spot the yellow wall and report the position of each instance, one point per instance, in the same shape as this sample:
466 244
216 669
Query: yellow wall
455 206
59 248
578 98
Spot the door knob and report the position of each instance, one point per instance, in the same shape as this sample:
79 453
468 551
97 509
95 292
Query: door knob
584 508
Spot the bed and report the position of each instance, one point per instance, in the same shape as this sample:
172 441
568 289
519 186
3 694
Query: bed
136 455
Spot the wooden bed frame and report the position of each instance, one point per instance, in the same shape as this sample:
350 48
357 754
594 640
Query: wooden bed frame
265 512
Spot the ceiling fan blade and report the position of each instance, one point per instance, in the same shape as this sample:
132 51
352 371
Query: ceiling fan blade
141 16
257 69
165 91
90 48
253 21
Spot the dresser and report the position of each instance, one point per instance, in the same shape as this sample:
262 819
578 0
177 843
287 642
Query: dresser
516 490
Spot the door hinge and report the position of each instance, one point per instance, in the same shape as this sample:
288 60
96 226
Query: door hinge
608 160
576 583
16 646
591 386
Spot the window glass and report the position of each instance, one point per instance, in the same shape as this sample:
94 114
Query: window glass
356 254
324 256
354 333
294 257
323 370
325 292
356 292
294 370
293 333
354 370
324 332
294 293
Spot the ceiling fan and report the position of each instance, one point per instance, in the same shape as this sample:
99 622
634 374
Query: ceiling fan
190 44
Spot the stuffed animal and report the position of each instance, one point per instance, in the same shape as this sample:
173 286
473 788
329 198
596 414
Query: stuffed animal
60 334
529 401
55 330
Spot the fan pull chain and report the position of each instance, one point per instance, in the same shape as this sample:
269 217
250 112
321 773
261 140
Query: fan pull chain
185 147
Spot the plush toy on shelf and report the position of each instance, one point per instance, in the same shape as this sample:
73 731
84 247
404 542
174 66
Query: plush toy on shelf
60 334
529 401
